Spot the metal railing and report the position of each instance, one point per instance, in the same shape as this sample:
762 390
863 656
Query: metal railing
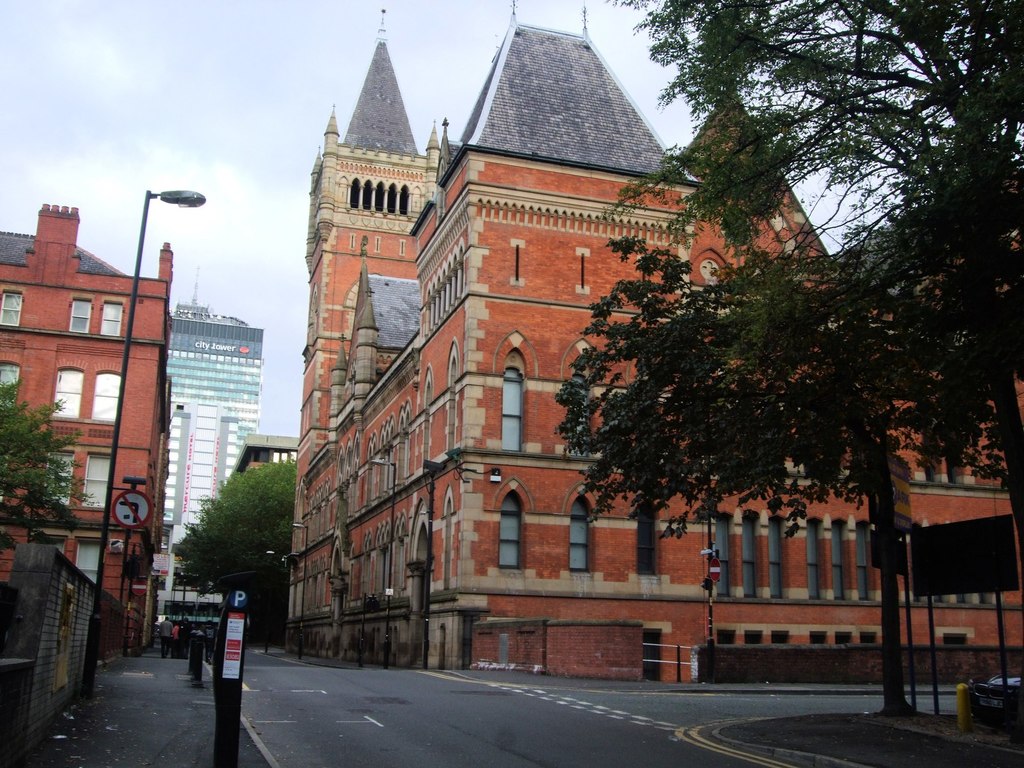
678 661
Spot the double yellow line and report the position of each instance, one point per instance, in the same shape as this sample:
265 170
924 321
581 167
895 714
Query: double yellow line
695 737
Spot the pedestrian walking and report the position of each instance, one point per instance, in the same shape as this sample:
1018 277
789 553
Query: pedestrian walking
166 637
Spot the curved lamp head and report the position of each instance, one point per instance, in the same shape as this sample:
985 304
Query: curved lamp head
183 198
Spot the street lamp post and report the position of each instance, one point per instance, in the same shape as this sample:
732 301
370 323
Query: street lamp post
432 468
183 199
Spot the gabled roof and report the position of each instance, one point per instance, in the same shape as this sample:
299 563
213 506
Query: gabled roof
13 249
380 120
551 95
396 309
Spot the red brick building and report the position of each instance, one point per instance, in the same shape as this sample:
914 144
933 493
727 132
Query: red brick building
431 475
62 339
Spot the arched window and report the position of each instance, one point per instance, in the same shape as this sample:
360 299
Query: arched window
509 532
353 195
367 195
69 393
403 201
378 198
579 440
512 410
392 198
579 536
104 401
428 397
453 372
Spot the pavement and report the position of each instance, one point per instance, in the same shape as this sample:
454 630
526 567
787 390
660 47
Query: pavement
146 711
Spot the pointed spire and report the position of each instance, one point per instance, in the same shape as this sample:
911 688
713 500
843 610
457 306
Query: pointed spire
332 125
380 120
446 151
366 317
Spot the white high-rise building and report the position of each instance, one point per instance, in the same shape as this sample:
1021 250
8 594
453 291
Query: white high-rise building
215 366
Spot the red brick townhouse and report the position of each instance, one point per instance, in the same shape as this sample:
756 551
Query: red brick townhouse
439 517
62 337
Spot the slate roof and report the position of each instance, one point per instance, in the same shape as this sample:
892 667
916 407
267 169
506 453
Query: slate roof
380 120
396 309
551 95
13 247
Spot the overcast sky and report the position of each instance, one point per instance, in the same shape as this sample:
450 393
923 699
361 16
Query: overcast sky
104 100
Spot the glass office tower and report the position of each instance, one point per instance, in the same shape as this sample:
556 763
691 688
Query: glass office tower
216 360
215 366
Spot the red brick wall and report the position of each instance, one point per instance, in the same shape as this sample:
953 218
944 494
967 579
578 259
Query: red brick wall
842 665
603 650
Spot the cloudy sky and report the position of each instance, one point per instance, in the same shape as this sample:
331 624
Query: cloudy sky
105 100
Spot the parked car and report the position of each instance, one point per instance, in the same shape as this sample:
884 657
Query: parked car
987 701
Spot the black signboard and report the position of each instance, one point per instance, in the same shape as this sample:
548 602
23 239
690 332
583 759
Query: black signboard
966 557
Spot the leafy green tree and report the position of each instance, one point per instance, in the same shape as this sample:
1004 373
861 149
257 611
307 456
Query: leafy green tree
784 384
36 488
908 115
246 527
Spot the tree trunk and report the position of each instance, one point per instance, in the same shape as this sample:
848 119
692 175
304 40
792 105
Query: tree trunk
1011 431
894 701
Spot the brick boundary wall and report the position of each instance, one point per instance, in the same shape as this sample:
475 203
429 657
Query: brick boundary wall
41 666
607 650
848 664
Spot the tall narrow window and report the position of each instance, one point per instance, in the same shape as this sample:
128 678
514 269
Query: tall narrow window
378 197
579 537
813 558
579 440
81 311
367 195
111 324
775 556
863 535
451 408
392 199
10 309
512 411
517 263
104 403
428 399
353 195
838 576
509 532
96 470
750 556
403 201
69 392
723 523
645 541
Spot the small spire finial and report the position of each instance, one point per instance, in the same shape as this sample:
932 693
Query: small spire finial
584 17
195 289
382 32
513 9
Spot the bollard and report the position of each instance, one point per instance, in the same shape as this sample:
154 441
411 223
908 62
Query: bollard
963 709
195 659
